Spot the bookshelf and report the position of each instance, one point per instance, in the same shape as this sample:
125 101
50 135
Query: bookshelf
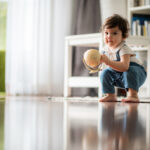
139 20
139 17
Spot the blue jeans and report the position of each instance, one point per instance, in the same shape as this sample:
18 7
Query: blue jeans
133 78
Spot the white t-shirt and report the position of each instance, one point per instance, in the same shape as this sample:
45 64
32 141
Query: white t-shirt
123 49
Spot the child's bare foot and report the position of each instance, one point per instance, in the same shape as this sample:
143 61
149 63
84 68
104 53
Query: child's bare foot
108 98
131 99
132 96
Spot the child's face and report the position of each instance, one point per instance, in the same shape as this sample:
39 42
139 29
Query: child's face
113 37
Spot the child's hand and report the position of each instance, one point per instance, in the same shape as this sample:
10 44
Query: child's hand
104 59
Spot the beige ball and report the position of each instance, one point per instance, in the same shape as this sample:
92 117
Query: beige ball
92 57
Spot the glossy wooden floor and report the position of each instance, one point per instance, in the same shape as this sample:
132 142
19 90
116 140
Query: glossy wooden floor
48 124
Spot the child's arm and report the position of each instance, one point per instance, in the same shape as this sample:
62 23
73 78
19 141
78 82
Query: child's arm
120 66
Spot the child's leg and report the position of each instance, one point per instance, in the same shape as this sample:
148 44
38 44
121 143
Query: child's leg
133 79
132 96
107 78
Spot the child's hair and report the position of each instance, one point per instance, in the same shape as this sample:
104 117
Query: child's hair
117 21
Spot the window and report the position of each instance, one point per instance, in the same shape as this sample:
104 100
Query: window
3 15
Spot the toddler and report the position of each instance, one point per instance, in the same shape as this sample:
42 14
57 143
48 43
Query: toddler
124 69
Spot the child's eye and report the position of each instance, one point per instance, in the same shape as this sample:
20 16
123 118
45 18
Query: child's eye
115 33
106 33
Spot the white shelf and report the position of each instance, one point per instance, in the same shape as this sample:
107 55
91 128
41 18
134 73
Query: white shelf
88 82
138 40
145 85
84 40
140 9
138 49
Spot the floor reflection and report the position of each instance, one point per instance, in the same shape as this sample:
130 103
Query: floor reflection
42 124
33 125
81 126
2 124
121 127
107 126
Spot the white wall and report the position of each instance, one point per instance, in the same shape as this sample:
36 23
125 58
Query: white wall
109 7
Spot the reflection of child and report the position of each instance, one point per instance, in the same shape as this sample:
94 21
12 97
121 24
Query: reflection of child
124 69
121 129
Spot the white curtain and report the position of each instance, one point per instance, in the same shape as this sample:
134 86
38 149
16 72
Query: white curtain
35 46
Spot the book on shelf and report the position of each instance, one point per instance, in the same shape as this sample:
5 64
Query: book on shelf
140 25
136 3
